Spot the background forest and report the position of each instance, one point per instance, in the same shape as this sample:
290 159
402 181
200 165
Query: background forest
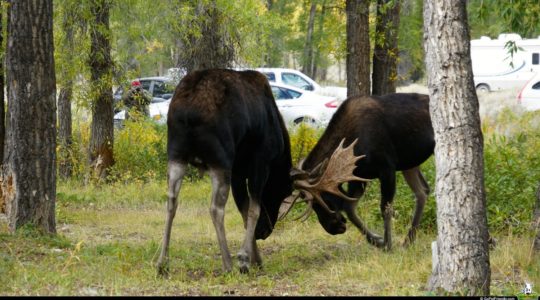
110 228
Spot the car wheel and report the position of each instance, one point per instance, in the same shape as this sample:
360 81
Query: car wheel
482 88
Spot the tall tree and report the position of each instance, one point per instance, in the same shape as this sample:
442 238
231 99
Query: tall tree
101 139
2 104
65 138
307 66
385 53
29 170
358 66
209 45
318 67
462 240
536 220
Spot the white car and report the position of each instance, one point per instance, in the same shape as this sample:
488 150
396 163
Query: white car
302 81
297 105
158 112
529 97
290 77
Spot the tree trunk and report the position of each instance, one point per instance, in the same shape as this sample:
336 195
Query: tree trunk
28 180
65 138
211 46
101 139
2 104
307 67
358 67
536 220
317 59
462 241
385 52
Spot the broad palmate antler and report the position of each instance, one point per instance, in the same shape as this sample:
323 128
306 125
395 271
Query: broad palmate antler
326 177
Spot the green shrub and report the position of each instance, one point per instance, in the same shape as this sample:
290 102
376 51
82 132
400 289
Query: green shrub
512 170
303 138
140 151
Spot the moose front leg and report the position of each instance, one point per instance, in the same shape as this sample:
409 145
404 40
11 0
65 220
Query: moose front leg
388 190
356 190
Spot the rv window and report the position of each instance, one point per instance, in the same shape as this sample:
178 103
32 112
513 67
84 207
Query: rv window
536 86
535 58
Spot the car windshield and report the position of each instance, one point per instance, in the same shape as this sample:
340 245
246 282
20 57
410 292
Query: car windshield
294 80
284 94
162 88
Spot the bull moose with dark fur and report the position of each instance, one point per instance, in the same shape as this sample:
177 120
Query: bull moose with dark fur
385 134
227 123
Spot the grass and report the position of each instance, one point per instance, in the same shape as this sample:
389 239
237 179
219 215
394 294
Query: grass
108 242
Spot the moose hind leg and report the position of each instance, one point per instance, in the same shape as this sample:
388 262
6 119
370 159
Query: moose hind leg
220 191
247 253
419 186
256 183
175 174
240 194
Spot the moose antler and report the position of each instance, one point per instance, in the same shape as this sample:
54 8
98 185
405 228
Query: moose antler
327 177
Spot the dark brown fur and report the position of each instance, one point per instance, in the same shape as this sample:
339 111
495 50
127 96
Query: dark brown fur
395 133
227 122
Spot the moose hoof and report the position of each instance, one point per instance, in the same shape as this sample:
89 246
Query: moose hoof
376 241
163 270
243 263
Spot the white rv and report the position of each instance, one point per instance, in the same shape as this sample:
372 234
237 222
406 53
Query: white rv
493 67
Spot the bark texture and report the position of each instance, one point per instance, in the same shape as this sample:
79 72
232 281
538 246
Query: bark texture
536 220
101 139
212 46
307 67
385 52
358 66
462 241
28 183
2 104
65 138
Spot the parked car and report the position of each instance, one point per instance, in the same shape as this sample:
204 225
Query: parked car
290 77
301 80
529 96
297 105
161 89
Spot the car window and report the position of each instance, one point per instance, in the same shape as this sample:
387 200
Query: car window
161 88
284 94
536 86
535 58
295 80
293 94
145 84
270 76
280 94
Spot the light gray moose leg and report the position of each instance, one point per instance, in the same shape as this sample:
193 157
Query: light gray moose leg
175 174
221 183
249 251
419 186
